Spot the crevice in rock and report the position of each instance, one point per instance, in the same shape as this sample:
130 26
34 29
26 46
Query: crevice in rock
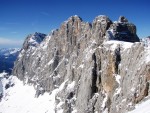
69 102
118 60
99 73
146 89
94 75
70 95
143 94
108 104
56 60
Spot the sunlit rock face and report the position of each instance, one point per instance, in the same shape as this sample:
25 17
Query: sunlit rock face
95 66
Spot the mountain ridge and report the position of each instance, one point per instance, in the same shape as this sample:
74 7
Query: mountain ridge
96 63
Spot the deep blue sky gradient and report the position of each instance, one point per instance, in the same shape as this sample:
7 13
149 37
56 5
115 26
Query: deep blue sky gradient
18 18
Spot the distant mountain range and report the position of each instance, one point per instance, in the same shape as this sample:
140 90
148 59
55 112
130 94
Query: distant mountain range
7 58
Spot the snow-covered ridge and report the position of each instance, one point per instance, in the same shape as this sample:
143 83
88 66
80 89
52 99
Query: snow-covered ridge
35 39
114 44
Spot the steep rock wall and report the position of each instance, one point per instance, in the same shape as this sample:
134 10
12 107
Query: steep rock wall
95 75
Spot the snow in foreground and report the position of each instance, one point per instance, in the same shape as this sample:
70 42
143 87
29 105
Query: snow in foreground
21 99
142 108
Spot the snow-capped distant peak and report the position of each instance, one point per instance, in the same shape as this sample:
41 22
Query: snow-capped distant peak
7 58
9 51
35 39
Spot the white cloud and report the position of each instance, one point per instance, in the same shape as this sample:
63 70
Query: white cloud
14 32
3 28
4 42
45 13
11 23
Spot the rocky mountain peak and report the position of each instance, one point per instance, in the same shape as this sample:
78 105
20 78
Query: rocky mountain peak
122 19
93 65
33 40
122 30
103 22
102 18
75 18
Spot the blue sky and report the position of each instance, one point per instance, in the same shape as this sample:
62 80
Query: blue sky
18 18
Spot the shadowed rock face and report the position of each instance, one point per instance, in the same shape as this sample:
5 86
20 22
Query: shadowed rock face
95 73
123 30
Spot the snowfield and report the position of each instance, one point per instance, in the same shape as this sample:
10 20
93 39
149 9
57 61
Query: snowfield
21 99
142 108
115 43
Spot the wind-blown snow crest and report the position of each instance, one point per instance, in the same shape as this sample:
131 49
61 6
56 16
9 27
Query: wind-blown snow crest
114 44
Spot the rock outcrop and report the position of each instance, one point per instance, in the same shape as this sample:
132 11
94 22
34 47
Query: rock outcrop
123 30
94 72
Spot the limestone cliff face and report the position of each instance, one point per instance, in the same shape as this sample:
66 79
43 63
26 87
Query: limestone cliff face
94 72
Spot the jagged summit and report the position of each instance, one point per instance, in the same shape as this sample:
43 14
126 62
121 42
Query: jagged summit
34 39
101 27
102 24
119 30
92 67
102 18
73 19
122 19
122 30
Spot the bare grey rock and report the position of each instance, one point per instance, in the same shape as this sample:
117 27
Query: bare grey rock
122 19
122 30
92 74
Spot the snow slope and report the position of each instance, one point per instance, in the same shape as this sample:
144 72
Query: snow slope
142 108
21 99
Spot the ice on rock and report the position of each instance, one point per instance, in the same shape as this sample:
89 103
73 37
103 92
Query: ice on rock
51 61
118 77
70 86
